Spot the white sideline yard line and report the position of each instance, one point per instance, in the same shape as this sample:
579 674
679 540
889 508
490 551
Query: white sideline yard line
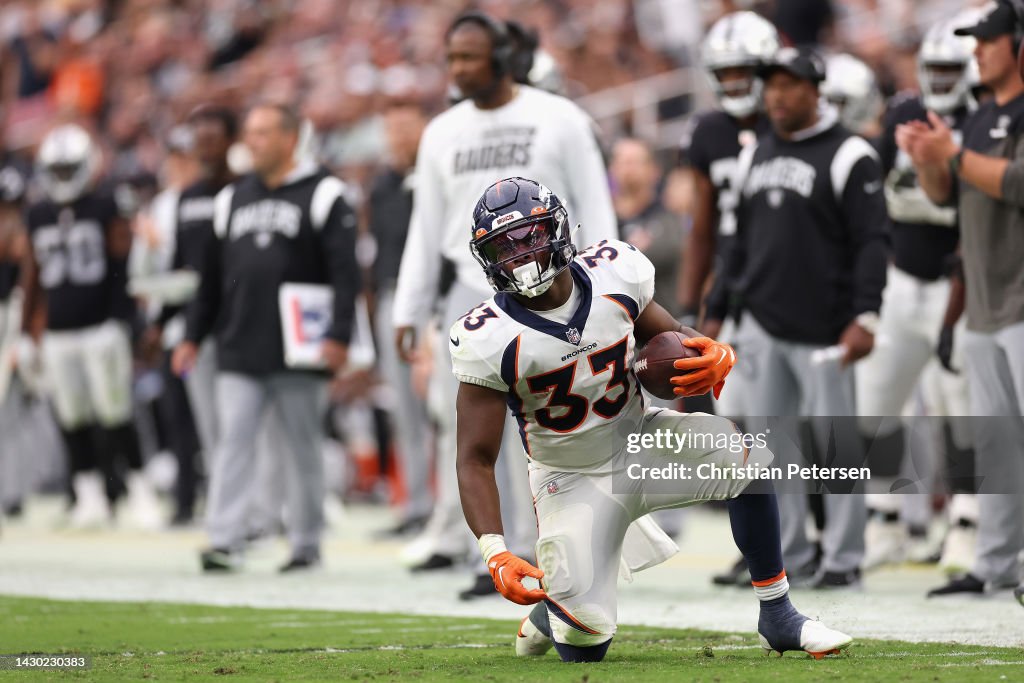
365 576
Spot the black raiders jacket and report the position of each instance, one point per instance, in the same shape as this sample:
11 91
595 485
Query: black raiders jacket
300 232
812 234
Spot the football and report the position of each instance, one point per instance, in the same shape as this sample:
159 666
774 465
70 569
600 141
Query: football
653 363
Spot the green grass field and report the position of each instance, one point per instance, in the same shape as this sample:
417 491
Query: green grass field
172 642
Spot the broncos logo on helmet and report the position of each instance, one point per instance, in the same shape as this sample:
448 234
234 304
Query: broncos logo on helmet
521 236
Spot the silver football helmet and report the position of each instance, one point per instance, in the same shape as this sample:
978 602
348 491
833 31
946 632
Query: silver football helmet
66 163
946 68
851 86
546 74
738 40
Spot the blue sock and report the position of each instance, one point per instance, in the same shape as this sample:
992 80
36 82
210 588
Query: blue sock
575 653
755 528
754 518
539 618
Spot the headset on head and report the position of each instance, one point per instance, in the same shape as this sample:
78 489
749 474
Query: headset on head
502 47
1018 31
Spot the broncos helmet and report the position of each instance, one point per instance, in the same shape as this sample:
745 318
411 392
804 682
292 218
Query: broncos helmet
851 86
738 40
946 67
516 223
66 163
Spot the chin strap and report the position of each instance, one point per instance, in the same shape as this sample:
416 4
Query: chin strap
528 278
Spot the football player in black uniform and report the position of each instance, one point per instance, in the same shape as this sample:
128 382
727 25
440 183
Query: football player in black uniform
735 46
852 88
919 280
75 270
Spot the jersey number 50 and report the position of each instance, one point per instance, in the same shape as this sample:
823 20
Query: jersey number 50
76 257
574 407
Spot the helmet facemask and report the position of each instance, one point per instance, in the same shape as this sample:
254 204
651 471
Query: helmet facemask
67 163
525 256
738 97
944 87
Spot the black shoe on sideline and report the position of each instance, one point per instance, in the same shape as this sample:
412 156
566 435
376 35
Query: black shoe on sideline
736 575
483 586
827 580
968 584
435 561
300 563
220 560
410 526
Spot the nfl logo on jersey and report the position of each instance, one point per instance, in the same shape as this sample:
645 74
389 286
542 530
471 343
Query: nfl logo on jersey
573 335
552 487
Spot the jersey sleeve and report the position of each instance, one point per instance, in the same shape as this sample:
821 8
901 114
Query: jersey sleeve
643 277
622 269
472 362
693 150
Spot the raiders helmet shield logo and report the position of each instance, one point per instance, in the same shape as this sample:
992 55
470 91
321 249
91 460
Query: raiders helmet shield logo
573 335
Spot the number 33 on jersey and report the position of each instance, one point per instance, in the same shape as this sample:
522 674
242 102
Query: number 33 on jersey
565 378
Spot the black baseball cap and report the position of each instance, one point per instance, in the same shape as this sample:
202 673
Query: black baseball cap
999 21
802 62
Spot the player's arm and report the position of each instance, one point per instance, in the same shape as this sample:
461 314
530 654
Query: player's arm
33 318
201 312
863 205
119 246
698 375
338 239
480 416
719 300
419 273
954 309
699 246
930 150
586 177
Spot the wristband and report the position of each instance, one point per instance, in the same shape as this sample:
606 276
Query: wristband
955 162
491 545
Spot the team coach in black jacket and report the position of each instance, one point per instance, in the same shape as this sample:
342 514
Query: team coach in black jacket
286 222
808 268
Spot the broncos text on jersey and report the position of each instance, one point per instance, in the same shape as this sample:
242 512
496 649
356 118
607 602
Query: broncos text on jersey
570 386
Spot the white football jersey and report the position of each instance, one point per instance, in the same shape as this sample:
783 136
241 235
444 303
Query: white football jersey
570 387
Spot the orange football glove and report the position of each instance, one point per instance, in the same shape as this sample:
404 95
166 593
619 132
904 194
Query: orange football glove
507 572
707 372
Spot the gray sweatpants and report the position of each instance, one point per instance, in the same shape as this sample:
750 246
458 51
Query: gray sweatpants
201 387
268 496
298 401
782 381
14 446
995 371
408 415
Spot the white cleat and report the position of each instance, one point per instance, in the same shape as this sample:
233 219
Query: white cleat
962 535
530 642
958 549
143 503
91 510
816 639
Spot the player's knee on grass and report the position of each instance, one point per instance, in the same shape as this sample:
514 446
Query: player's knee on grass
581 655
